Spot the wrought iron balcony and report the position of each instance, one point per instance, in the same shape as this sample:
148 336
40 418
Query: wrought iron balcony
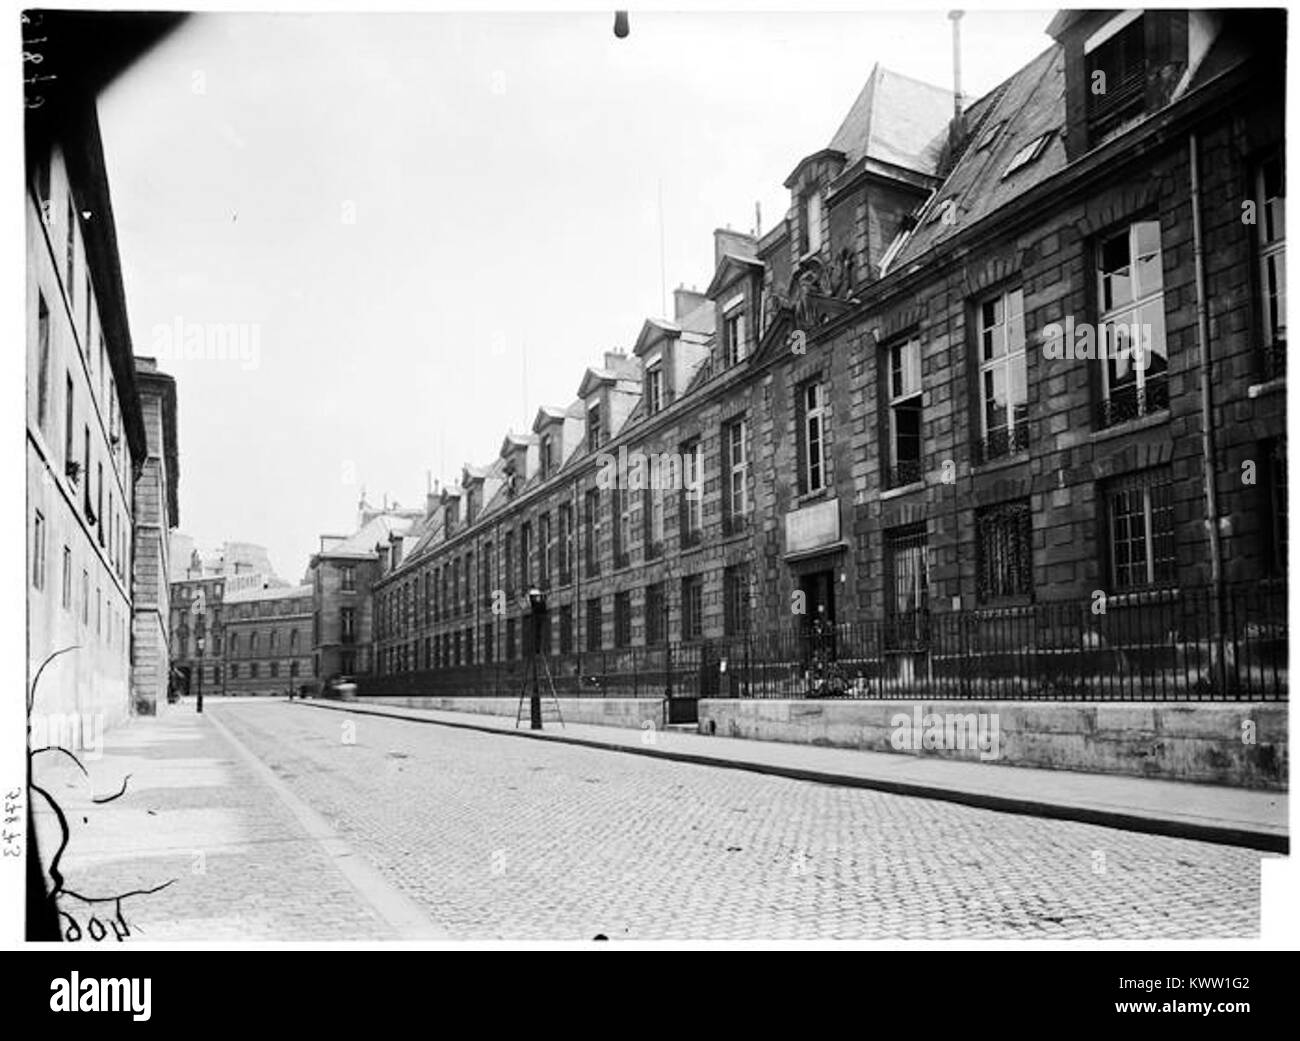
999 443
1129 403
903 473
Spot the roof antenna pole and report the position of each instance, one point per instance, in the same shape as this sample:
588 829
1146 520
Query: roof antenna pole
955 17
663 277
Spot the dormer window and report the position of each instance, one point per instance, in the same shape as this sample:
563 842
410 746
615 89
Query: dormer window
594 439
733 330
546 458
811 235
1116 62
654 385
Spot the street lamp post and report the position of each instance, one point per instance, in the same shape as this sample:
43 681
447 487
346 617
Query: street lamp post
200 642
537 611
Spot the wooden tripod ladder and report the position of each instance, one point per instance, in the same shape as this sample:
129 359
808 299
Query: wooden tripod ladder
530 676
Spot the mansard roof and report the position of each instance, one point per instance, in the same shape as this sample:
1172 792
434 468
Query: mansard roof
895 119
1011 117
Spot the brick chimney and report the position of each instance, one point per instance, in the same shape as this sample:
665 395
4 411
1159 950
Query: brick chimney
727 241
685 301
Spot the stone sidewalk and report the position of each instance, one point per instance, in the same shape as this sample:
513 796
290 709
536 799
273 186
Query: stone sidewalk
1207 813
238 856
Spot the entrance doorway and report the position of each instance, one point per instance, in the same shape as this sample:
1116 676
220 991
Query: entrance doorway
818 588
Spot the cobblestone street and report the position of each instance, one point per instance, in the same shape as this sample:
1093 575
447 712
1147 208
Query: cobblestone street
496 837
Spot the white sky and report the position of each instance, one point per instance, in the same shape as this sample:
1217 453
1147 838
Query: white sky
504 171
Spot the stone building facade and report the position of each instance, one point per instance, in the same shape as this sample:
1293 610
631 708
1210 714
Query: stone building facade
267 639
86 442
157 512
888 399
198 616
341 574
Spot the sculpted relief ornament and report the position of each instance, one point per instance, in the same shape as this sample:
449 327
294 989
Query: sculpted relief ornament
812 283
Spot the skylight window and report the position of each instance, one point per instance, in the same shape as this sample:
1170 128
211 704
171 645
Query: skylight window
1028 154
990 135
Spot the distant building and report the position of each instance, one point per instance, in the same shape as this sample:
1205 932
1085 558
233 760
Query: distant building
193 560
341 575
197 634
268 640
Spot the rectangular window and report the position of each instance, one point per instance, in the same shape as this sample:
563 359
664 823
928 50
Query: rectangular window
907 573
1270 228
811 233
692 607
735 604
348 578
512 639
508 572
733 334
1004 558
42 361
622 535
566 629
546 461
70 258
1140 520
99 500
692 494
656 614
66 597
591 536
904 413
735 486
525 555
564 544
811 418
1004 402
86 506
595 432
38 550
90 340
69 425
488 642
654 386
622 619
595 622
1275 454
1130 294
544 548
347 623
652 515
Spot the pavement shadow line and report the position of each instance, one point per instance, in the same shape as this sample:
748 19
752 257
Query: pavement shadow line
399 911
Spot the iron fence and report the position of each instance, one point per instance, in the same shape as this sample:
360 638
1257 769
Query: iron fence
1158 645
